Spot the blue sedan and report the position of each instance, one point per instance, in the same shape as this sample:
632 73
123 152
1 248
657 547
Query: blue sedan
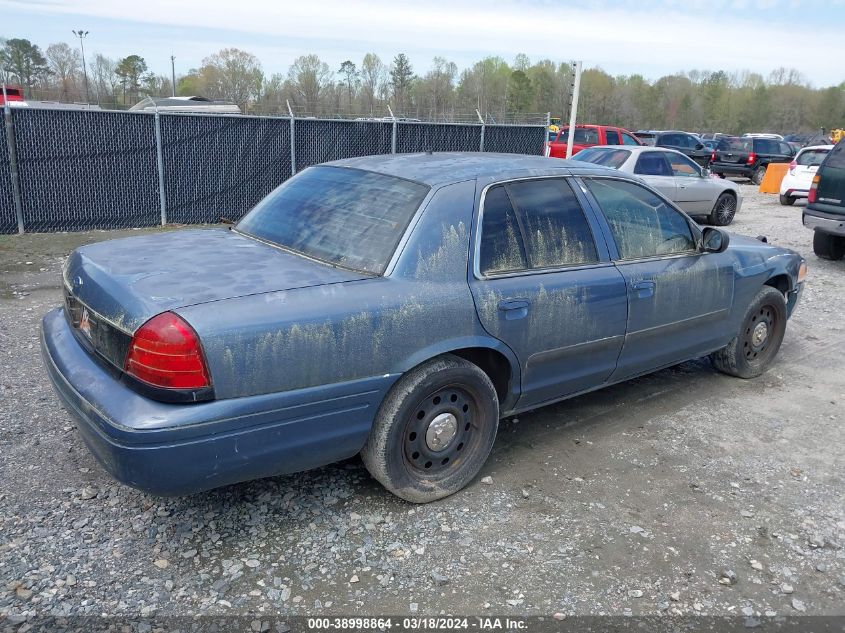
397 307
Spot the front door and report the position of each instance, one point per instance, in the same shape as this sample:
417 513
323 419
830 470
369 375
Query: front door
679 298
545 287
654 169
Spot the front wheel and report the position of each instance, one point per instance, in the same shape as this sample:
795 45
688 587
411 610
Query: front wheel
787 200
828 246
434 430
758 175
756 344
724 210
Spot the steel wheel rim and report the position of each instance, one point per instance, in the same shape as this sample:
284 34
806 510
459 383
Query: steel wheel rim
436 461
725 209
760 330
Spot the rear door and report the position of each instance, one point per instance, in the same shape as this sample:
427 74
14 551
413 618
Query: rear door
612 137
679 298
830 194
545 286
692 192
653 167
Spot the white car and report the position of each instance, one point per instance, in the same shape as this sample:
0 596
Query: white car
796 183
676 176
774 137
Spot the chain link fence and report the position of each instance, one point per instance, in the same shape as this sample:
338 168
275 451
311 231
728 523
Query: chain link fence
84 169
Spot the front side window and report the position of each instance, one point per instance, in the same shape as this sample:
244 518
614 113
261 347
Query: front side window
682 166
642 224
346 217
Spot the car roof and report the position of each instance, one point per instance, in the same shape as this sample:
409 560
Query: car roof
442 168
634 149
827 147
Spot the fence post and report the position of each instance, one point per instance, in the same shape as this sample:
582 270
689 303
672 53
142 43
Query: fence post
13 161
480 118
160 166
393 130
292 140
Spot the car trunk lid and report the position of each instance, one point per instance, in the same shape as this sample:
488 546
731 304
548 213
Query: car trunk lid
113 287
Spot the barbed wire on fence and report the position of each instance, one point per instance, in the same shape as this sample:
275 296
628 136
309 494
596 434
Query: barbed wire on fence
83 169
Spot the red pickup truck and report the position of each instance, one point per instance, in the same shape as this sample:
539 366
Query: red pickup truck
589 135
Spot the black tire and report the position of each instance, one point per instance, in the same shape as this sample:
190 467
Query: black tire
828 246
724 210
398 452
758 175
748 355
787 200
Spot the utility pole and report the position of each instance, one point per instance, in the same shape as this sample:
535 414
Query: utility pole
81 35
173 73
573 110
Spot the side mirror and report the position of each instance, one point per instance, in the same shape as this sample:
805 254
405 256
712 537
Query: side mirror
699 146
705 172
714 240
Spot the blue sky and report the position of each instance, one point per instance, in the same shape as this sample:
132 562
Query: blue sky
649 37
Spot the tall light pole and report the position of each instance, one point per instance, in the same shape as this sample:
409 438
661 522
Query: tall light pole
173 74
81 35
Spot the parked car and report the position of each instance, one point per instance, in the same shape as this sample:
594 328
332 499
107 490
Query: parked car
685 143
676 177
397 306
796 183
825 211
711 145
589 135
14 96
774 137
749 156
647 136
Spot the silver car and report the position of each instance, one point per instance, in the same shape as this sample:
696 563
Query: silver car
676 176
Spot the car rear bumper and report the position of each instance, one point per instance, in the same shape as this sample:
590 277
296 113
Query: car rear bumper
176 449
832 225
731 168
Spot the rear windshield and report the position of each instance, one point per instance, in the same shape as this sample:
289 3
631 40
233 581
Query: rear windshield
736 144
811 157
601 156
341 216
583 136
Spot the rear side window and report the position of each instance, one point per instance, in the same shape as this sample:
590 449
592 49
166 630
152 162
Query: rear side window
534 224
613 158
652 164
766 146
837 156
612 137
811 157
641 223
556 230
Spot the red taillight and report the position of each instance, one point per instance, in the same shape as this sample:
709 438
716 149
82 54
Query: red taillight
752 157
712 157
165 352
813 193
792 167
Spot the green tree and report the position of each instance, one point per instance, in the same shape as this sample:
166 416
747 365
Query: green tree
372 81
232 74
350 72
24 61
519 92
401 75
129 70
309 78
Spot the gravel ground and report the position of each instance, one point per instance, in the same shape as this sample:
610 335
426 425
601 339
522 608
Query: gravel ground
685 491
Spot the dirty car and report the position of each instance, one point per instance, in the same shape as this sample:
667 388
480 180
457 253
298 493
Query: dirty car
397 307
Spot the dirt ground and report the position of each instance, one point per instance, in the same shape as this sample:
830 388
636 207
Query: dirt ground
685 491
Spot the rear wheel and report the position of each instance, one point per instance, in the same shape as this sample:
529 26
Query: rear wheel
434 430
787 200
724 210
758 175
828 246
756 344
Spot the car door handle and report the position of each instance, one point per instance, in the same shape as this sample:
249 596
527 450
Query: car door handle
643 289
514 308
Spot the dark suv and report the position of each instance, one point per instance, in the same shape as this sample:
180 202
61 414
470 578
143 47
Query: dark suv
749 157
686 144
825 212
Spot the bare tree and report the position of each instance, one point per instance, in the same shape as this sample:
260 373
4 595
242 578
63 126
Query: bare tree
372 81
309 77
232 74
65 64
